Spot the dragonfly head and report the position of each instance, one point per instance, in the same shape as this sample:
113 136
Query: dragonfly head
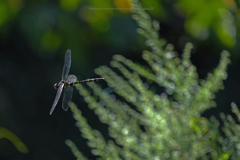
56 86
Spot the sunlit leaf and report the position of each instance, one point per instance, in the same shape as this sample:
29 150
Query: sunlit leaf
225 156
224 34
123 5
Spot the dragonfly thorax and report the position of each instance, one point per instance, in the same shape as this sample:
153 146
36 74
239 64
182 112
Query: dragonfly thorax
56 86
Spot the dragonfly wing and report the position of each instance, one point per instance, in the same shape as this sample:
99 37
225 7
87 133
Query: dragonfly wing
67 96
67 64
72 78
58 95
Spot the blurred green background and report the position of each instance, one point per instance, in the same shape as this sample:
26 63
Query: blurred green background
34 36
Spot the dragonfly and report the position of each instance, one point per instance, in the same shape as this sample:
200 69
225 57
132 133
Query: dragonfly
67 83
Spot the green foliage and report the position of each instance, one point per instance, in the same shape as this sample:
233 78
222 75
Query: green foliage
75 150
5 133
147 123
202 16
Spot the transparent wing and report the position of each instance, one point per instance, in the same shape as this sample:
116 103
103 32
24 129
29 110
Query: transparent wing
58 95
72 78
67 96
67 64
68 91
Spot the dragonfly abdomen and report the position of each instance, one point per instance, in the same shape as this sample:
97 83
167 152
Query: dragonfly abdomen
86 80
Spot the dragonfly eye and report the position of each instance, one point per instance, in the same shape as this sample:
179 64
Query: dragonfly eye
56 86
